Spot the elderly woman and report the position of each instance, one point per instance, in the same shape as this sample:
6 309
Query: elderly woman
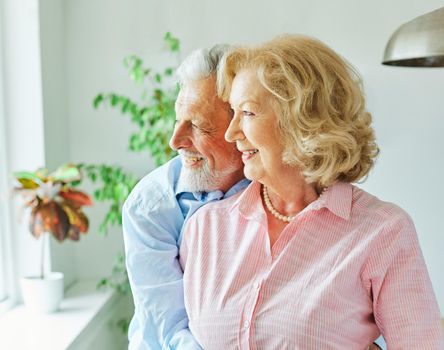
303 259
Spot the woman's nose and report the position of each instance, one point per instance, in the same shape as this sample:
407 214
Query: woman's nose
234 132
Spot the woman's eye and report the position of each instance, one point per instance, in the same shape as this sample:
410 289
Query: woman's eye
248 113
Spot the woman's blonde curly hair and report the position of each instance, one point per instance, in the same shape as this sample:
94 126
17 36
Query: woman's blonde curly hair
318 97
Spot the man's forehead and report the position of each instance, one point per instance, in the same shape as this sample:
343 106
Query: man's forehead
194 101
200 92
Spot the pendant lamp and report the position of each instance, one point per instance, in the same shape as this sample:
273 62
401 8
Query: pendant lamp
418 43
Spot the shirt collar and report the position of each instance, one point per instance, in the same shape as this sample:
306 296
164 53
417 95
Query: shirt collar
337 199
200 196
237 187
250 202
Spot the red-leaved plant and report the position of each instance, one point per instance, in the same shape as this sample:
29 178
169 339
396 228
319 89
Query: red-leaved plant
56 207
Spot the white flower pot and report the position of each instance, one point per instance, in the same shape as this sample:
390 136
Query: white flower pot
43 295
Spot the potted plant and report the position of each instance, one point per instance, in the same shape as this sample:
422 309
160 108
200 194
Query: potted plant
55 209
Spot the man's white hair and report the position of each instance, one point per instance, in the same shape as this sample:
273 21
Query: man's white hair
201 64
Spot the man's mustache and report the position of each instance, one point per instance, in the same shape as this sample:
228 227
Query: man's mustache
184 153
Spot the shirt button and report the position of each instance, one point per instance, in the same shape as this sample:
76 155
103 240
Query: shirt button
257 285
246 324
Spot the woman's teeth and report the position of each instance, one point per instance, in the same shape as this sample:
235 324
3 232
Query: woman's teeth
246 155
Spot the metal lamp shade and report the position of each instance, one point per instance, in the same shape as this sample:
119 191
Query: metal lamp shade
418 43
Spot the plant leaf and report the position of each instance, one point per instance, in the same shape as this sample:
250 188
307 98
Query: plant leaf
49 217
27 175
97 100
76 198
66 173
121 191
114 100
172 42
28 184
76 217
42 173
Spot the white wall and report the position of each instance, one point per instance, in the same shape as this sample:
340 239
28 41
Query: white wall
407 104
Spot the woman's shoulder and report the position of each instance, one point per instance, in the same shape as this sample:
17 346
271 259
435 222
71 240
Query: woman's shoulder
370 205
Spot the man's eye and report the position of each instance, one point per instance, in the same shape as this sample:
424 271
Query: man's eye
199 128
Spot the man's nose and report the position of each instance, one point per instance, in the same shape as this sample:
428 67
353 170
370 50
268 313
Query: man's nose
181 137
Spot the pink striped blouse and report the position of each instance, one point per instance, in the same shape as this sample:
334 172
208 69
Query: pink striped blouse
346 269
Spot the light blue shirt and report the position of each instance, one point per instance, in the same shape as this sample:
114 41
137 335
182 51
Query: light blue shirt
153 217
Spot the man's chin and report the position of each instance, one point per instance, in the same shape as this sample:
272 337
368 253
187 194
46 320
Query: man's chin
198 178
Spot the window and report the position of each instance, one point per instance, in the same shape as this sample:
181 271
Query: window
5 252
4 204
2 282
5 200
4 212
2 274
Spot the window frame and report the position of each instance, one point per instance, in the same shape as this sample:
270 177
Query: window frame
6 263
4 213
7 290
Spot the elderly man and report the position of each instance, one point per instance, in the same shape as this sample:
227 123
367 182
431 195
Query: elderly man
207 169
153 216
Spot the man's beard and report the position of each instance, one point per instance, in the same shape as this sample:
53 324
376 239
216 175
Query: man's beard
202 179
198 179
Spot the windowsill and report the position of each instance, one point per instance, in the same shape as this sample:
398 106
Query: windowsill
83 308
5 305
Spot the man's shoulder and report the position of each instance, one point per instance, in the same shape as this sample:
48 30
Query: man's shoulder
156 185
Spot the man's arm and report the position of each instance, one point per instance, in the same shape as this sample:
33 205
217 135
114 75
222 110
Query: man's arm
151 229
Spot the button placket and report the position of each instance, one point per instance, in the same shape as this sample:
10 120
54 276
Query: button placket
248 313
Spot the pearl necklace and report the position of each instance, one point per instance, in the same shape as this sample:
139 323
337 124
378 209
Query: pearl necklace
273 211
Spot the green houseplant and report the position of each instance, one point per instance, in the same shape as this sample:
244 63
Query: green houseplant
153 117
55 209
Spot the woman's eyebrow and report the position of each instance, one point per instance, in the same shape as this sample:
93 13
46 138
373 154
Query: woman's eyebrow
242 103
